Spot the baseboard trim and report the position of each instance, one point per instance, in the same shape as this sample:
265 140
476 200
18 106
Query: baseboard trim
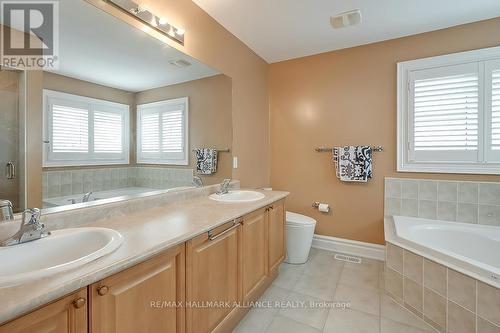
351 247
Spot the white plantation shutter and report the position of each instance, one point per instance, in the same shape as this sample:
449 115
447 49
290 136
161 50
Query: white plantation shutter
70 129
492 111
163 132
495 110
150 133
108 132
84 131
444 107
172 132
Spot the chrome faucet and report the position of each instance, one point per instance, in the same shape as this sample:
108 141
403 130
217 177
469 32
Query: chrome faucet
224 187
31 229
197 181
86 197
6 211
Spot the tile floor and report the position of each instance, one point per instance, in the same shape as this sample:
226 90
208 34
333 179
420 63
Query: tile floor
321 279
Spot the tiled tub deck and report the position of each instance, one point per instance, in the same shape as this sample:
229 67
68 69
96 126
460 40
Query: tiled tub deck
446 299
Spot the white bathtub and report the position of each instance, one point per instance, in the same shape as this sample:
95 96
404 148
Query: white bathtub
101 195
471 249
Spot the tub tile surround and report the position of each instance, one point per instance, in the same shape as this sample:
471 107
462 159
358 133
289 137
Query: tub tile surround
68 182
447 300
454 201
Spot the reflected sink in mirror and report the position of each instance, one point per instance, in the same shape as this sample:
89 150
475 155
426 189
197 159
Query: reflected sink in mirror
62 250
238 196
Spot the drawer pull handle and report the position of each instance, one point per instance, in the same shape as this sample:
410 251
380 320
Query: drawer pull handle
103 290
79 303
214 237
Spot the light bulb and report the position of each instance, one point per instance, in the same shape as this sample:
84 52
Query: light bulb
180 31
171 32
163 21
154 23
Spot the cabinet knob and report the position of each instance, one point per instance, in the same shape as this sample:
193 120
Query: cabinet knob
79 302
270 208
103 290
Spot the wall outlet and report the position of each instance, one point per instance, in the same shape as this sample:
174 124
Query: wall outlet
235 162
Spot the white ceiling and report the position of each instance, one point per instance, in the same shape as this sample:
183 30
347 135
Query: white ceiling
284 29
99 48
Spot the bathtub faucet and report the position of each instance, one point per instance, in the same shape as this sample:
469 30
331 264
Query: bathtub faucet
86 197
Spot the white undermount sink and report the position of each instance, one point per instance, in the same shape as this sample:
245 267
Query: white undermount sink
62 250
238 196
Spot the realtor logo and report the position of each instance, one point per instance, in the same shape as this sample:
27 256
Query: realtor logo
29 34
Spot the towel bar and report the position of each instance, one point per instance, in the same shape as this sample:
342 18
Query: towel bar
227 150
328 149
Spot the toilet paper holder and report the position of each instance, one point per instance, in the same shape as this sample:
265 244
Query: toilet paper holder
316 205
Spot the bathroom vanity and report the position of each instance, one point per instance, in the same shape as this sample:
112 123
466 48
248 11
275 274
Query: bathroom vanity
198 277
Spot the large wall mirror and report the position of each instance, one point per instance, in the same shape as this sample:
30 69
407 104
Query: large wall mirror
124 114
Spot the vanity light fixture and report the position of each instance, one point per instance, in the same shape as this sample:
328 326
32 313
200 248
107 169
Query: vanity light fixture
160 24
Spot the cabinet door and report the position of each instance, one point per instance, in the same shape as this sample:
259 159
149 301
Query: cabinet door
254 252
142 298
212 278
67 315
276 234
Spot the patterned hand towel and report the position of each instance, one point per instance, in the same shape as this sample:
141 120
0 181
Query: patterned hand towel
353 163
206 161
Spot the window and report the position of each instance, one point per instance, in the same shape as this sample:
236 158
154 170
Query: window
162 132
84 131
449 113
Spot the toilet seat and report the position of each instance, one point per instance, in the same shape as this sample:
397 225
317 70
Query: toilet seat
294 219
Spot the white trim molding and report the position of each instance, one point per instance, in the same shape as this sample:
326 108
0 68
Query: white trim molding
351 247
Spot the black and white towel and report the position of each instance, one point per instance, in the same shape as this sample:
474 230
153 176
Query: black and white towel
206 161
353 163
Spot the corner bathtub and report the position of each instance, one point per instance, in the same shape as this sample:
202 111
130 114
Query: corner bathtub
471 249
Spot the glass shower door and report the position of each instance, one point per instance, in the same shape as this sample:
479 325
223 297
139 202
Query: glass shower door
11 137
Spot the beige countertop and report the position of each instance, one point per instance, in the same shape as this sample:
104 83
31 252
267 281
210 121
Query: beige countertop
146 233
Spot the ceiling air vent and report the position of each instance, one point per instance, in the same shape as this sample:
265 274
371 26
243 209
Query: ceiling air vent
181 63
346 19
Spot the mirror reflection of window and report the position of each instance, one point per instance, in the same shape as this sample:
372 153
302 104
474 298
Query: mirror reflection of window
162 132
84 131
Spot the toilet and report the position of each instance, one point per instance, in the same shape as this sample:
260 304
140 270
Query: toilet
299 231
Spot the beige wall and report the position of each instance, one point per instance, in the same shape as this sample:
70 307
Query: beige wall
210 122
73 86
348 97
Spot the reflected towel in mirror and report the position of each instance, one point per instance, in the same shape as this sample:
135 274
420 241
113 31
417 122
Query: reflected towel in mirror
206 161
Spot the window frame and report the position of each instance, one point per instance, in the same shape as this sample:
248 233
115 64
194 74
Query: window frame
152 107
404 114
51 159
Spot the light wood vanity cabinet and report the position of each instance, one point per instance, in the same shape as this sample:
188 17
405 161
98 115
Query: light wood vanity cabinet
230 264
67 315
276 213
212 275
141 298
254 252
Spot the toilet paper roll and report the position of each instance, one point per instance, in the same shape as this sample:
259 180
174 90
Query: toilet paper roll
323 207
